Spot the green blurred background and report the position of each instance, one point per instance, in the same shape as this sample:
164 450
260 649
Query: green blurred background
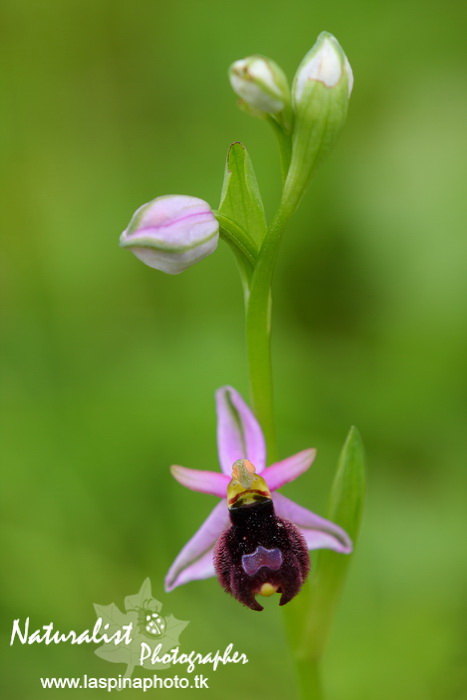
109 368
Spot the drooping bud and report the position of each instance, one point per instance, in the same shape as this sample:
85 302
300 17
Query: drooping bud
172 232
260 554
261 84
320 95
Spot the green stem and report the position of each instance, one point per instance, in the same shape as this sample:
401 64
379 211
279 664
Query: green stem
303 650
258 330
258 304
309 677
284 141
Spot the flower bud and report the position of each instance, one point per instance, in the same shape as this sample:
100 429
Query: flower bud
172 232
320 95
326 63
261 84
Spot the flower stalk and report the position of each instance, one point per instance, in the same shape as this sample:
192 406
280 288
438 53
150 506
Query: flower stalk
258 329
309 618
255 540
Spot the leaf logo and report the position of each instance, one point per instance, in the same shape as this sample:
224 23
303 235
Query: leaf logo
143 612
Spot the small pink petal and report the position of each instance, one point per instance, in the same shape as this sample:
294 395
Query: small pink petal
214 483
200 569
288 469
318 532
239 435
195 560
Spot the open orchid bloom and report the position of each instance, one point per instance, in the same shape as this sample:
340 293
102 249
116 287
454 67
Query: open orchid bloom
271 531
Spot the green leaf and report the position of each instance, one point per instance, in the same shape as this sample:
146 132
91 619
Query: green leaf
348 490
346 508
240 199
309 616
238 239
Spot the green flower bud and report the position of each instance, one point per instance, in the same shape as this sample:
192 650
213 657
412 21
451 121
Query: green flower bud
261 84
320 95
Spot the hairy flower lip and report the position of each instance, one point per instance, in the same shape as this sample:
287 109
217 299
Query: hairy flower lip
240 437
261 549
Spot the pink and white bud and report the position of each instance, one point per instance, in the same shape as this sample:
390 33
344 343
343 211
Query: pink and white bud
172 232
320 98
326 63
260 83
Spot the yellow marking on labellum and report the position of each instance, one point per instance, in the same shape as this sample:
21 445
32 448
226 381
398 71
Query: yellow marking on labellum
267 589
246 486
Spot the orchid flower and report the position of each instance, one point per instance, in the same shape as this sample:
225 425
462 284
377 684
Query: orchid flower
241 445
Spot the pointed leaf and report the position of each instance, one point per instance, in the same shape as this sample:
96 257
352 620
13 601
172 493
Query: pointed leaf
238 239
240 199
348 490
346 506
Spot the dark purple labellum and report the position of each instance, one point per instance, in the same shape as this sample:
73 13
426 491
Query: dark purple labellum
261 553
